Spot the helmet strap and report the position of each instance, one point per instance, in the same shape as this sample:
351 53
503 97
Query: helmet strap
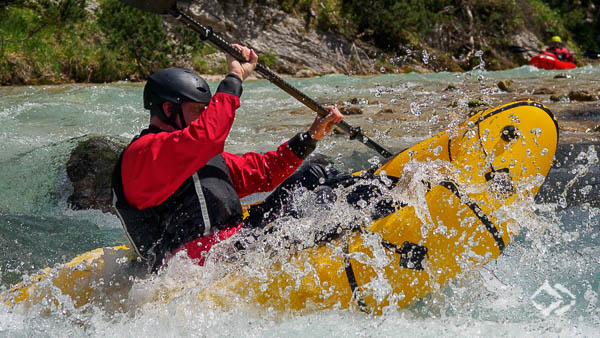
171 120
173 117
181 117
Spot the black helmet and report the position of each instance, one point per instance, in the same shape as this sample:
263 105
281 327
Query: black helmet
175 85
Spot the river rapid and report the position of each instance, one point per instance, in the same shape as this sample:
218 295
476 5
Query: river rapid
546 283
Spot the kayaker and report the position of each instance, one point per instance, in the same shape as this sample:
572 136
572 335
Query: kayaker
557 48
175 187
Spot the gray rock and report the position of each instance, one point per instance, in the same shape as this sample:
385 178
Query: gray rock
296 45
506 85
528 40
476 103
563 76
582 95
543 91
560 98
450 88
351 110
304 73
90 169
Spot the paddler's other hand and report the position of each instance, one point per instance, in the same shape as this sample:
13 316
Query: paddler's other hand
242 69
323 125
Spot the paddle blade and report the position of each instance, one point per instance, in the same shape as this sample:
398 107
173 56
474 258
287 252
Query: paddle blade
591 55
517 49
154 6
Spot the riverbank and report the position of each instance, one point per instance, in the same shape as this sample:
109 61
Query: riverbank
100 41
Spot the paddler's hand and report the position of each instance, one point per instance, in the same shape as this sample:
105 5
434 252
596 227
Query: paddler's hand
242 69
323 125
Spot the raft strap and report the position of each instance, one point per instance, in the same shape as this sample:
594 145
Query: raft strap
411 254
491 228
352 281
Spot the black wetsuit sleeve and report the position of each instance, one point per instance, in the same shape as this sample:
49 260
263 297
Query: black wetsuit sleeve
302 145
231 85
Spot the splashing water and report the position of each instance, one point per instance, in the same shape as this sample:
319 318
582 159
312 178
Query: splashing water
425 57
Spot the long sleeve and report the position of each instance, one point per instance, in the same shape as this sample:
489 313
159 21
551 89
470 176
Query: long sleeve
254 172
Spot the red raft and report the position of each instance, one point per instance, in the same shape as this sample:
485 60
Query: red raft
547 60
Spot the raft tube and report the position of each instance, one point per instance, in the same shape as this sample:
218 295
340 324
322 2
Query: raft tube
497 158
549 61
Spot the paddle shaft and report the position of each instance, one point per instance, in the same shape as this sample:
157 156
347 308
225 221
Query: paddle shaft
518 49
208 34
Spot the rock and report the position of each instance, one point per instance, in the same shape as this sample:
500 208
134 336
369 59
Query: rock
527 39
525 98
355 101
450 88
563 76
90 169
407 70
543 91
582 95
352 110
477 103
506 85
560 98
305 73
296 44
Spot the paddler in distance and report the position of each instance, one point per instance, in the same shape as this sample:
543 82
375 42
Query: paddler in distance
174 186
557 48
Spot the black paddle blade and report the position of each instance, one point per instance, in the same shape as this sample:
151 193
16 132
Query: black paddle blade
591 55
517 49
154 6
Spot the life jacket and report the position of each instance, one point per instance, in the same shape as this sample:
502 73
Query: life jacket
206 202
561 53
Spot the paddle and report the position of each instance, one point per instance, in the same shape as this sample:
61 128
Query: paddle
170 7
519 49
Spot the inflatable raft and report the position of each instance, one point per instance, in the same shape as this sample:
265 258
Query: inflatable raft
546 60
496 159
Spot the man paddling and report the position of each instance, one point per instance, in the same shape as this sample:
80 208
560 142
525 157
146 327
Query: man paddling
175 188
557 48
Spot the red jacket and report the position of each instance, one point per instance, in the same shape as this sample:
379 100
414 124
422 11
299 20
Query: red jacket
561 53
155 165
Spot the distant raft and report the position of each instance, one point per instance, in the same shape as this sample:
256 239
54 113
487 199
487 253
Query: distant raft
497 158
546 60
